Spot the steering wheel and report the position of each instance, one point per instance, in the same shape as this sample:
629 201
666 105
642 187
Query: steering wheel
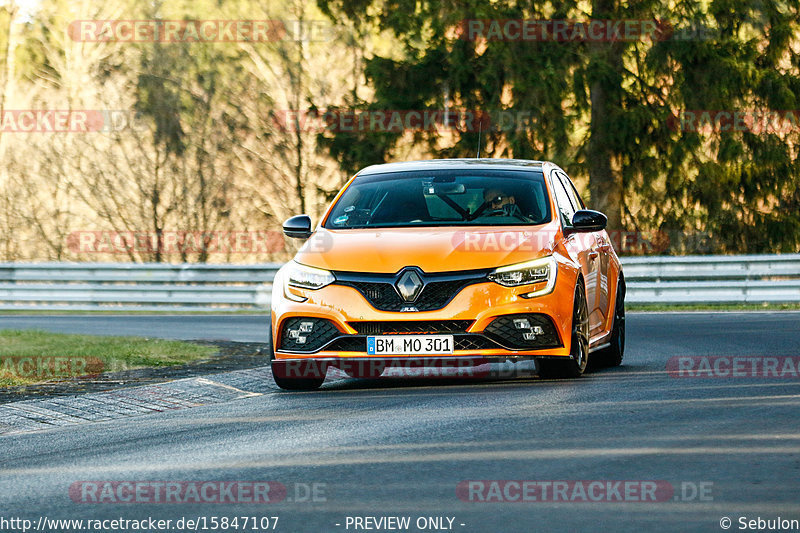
507 211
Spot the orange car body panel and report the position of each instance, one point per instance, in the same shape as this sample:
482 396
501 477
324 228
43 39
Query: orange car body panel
448 249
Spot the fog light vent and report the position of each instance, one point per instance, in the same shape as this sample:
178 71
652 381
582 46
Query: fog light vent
523 331
307 334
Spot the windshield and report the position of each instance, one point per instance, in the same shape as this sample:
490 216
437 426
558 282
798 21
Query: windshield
443 198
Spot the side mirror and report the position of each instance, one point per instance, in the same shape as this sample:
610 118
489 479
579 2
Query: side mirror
298 227
586 220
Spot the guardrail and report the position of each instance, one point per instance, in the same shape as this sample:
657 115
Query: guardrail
713 279
135 286
143 287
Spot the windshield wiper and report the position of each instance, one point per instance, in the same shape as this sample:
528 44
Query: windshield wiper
375 209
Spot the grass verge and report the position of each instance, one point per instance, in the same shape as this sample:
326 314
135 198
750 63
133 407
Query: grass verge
32 356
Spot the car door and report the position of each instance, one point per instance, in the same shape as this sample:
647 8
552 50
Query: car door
578 245
602 245
604 304
594 271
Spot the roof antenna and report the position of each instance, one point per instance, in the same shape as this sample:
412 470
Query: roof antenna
480 127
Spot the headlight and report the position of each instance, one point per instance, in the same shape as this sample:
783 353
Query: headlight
540 270
306 277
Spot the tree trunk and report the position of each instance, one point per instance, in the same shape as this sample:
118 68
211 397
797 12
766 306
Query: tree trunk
605 184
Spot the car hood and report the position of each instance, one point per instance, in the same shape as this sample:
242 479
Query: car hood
387 250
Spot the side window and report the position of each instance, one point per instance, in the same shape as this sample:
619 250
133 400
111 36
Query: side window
565 208
577 201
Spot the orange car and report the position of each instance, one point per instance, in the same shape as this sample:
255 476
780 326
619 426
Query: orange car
449 263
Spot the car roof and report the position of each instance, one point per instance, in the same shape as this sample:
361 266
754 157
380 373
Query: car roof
454 164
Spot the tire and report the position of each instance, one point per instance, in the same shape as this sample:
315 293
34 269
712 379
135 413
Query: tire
612 356
285 383
575 365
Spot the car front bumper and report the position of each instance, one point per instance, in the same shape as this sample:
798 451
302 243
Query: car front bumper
473 310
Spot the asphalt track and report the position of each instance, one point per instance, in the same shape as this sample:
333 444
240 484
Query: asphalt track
390 447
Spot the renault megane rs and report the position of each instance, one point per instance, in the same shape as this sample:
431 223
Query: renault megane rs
449 262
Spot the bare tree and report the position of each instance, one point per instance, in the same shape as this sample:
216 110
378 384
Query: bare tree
8 44
296 76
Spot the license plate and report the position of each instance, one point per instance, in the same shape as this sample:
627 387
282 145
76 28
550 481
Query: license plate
409 344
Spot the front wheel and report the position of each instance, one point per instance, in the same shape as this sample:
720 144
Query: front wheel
575 365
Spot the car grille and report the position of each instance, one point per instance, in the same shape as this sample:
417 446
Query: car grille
351 343
411 326
439 288
474 342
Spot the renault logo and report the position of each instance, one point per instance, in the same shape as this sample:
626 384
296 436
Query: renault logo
409 285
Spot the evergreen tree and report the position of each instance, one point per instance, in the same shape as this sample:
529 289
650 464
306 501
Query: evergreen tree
609 109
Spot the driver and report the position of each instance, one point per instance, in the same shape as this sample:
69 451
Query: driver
497 199
499 202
